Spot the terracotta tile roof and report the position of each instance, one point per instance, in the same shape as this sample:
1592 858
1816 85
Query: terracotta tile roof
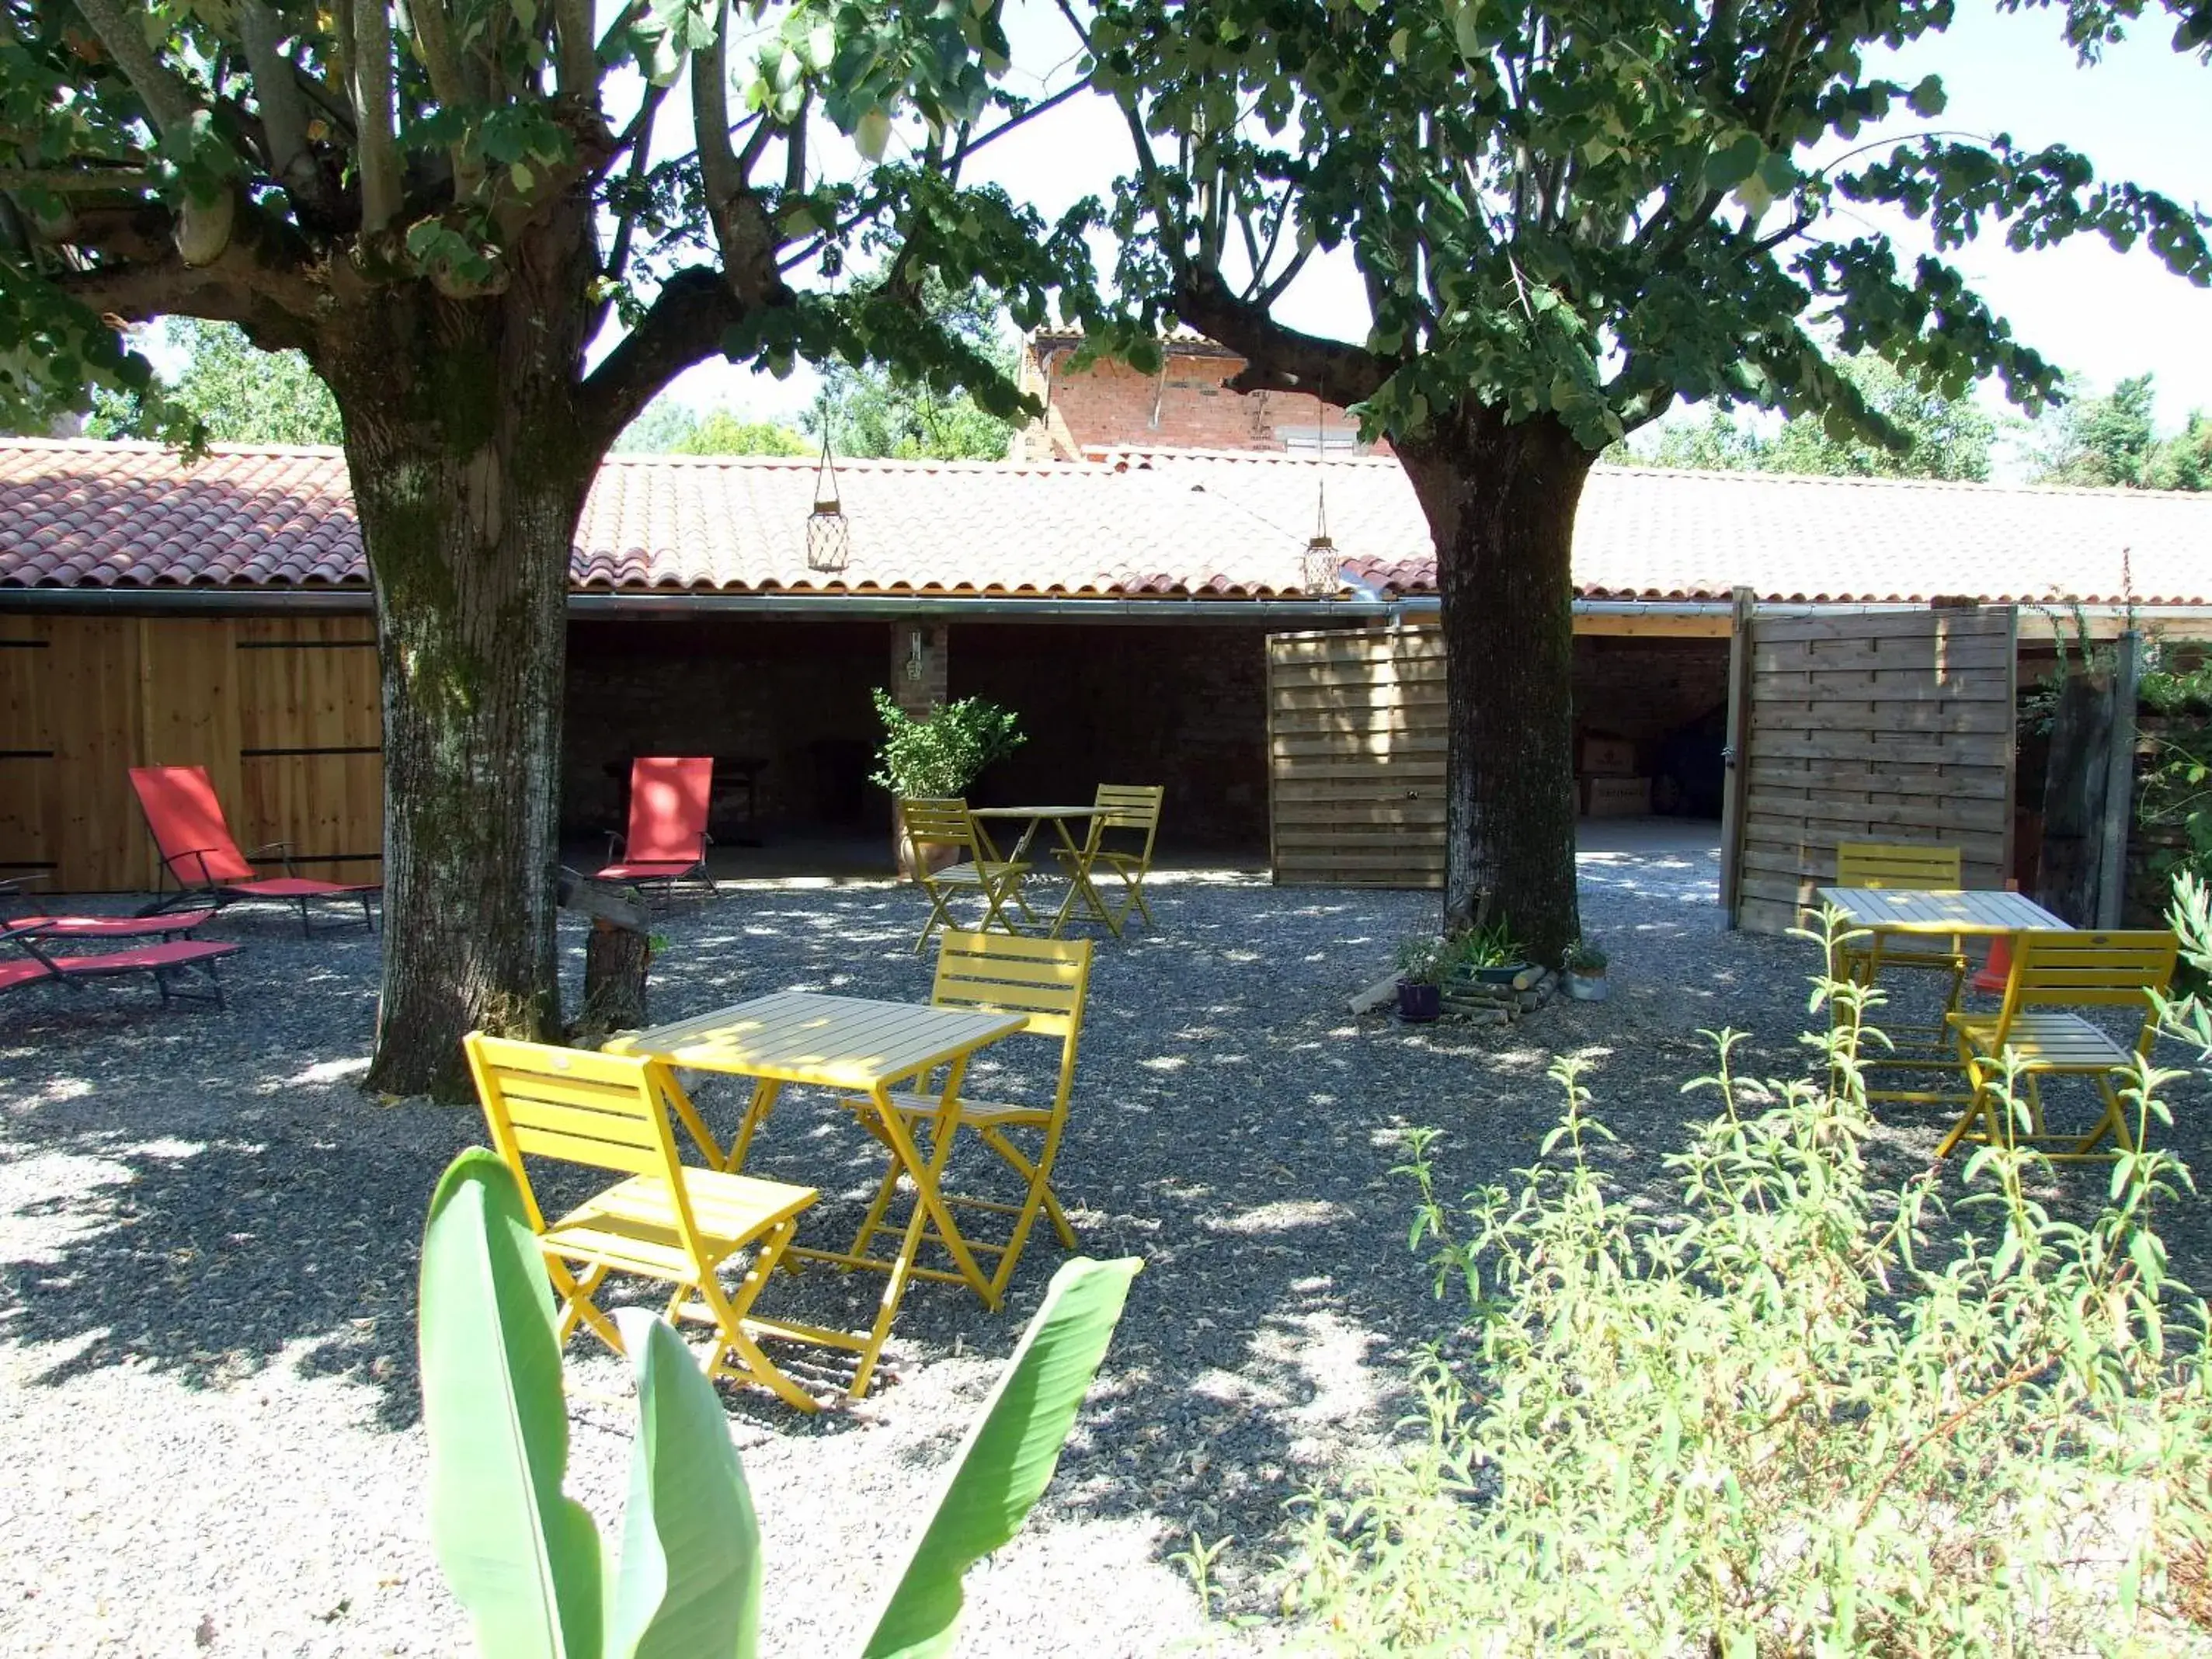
1655 534
80 513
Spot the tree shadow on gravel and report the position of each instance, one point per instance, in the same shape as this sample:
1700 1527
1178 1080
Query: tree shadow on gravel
209 1195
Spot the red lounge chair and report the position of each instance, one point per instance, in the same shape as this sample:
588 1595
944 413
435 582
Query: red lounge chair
166 925
160 960
196 849
667 840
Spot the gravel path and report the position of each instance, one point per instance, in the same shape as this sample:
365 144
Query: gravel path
208 1238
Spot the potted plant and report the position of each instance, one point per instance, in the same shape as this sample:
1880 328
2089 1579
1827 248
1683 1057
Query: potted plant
937 757
1423 962
1488 954
1584 972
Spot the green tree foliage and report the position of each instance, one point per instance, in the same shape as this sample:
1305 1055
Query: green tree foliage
667 427
2184 460
1943 437
1568 217
2101 442
476 223
884 410
235 392
2108 442
1779 1406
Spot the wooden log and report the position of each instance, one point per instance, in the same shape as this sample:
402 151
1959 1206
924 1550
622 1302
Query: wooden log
616 956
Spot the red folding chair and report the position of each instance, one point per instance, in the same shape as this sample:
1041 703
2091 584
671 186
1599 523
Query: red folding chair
668 840
200 855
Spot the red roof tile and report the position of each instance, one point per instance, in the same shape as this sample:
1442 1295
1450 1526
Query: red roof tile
82 514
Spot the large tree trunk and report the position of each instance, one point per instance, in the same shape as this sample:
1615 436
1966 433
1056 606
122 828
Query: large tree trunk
1500 503
469 471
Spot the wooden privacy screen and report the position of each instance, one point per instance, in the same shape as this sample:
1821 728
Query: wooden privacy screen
1894 727
284 712
1356 758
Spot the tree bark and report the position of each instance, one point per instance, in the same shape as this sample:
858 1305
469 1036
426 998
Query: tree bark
1500 503
469 467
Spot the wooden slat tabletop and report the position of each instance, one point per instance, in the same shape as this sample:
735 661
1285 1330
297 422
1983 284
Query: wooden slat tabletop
1947 911
804 1036
1036 811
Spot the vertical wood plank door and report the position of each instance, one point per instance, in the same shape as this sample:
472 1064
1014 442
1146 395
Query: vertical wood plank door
1890 726
26 750
1356 757
95 709
311 741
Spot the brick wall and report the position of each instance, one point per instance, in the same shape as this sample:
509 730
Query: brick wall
791 693
1186 407
1181 706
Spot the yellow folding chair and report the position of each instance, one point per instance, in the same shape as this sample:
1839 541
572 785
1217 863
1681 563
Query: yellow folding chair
667 1222
1048 980
2055 971
1128 809
975 868
1884 866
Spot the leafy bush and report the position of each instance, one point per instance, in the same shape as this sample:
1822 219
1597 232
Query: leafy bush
1490 944
1583 957
939 757
1800 1415
1424 959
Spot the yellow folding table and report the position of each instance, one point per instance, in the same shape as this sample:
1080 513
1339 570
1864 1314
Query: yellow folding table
855 1046
1076 855
1906 915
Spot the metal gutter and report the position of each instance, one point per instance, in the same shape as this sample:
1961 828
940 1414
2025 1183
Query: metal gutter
984 607
202 601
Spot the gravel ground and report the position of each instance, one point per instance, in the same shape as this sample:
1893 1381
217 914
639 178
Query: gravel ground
208 1238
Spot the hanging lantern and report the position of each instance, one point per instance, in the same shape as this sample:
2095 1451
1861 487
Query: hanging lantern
1321 565
1320 560
829 536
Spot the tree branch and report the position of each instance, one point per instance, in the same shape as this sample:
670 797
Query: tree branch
78 180
377 151
683 326
579 52
1276 358
283 105
167 97
710 117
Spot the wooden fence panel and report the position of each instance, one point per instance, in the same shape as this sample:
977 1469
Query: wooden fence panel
310 742
27 752
1895 726
1356 758
283 712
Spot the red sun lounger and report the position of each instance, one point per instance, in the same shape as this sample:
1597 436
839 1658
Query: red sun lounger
667 840
162 961
198 851
169 924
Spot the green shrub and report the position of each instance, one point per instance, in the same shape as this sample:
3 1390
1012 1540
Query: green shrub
939 757
1790 1411
1492 945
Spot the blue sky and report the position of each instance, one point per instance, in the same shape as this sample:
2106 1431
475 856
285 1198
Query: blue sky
2144 112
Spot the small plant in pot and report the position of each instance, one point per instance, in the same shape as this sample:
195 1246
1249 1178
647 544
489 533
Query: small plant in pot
1584 972
1488 954
937 758
1423 962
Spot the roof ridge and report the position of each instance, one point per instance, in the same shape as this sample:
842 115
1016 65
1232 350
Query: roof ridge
1854 481
84 442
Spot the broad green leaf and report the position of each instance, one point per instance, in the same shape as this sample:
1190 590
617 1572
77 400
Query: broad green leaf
520 1557
1003 1467
1733 162
689 1583
872 132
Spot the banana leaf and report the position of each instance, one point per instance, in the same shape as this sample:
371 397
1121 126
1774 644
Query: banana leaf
689 1584
1004 1466
521 1558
